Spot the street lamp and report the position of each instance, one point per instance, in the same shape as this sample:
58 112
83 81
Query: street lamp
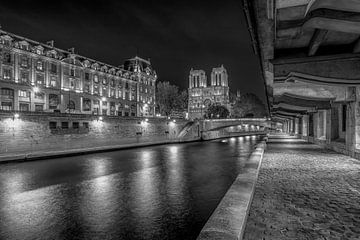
36 89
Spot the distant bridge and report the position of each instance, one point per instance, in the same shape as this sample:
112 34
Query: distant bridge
216 128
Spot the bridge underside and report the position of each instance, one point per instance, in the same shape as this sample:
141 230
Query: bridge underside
310 57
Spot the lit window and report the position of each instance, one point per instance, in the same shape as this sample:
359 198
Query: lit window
7 73
53 81
23 93
39 79
96 79
39 65
24 61
24 76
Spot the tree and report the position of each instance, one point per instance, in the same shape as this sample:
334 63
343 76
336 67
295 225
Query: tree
169 99
217 111
249 105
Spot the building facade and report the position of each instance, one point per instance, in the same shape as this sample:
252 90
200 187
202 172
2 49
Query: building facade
40 77
201 96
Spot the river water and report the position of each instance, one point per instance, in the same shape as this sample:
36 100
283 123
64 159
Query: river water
161 192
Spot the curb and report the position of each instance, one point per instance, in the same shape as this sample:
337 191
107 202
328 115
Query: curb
228 221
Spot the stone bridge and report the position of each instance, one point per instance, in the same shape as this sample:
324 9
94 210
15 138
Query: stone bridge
219 128
237 124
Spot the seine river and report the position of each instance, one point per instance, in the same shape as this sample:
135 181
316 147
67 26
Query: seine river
162 192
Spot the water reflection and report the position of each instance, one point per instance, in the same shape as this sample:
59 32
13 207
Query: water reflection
164 192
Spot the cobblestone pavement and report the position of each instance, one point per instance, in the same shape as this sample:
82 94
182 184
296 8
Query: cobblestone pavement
305 192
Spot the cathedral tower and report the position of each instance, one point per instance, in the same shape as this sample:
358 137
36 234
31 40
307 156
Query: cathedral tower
219 77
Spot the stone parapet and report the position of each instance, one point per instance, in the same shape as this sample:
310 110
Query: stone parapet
228 221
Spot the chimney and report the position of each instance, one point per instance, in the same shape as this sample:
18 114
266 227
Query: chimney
71 50
50 43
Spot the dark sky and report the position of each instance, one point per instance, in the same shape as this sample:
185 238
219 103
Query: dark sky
175 35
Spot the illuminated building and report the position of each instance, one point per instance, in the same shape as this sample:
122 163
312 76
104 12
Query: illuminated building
40 77
201 95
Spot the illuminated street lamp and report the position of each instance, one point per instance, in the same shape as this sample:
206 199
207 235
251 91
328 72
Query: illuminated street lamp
103 99
36 89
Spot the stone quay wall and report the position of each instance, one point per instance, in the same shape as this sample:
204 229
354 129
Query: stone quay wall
55 132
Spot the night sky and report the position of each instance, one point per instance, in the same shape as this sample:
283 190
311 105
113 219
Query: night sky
175 35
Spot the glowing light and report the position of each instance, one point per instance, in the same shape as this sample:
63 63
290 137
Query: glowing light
101 118
174 121
16 115
36 89
146 120
103 99
145 105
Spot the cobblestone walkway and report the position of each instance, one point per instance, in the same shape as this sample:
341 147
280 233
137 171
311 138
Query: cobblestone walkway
305 192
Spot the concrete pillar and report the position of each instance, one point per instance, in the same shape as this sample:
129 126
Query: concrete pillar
328 126
296 125
305 125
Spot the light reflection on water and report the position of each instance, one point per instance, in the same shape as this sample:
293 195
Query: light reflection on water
163 192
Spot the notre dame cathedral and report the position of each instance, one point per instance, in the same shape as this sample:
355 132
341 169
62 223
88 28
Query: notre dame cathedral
201 95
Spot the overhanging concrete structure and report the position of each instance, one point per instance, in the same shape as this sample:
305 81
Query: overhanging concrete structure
309 52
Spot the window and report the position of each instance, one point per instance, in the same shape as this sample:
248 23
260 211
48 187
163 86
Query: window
104 112
87 76
72 72
104 103
7 106
72 83
104 81
120 93
53 68
64 125
24 77
39 79
24 107
24 61
112 93
7 73
87 88
112 108
52 125
39 95
7 58
85 124
23 93
96 79
126 114
112 83
344 111
39 65
86 104
127 85
75 125
53 101
53 81
7 92
96 89
71 105
39 107
104 91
